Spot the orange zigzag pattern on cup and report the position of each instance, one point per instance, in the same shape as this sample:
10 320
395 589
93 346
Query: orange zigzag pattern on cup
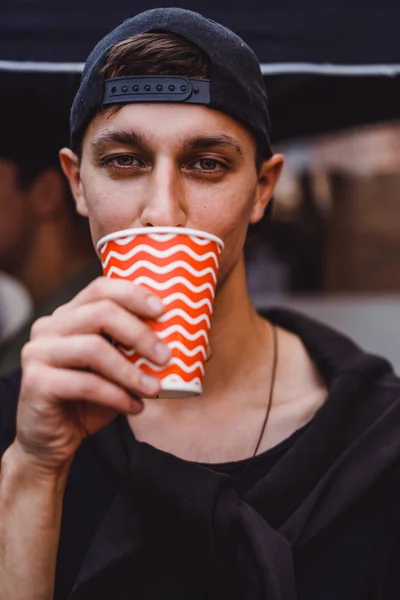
182 271
174 369
139 253
162 243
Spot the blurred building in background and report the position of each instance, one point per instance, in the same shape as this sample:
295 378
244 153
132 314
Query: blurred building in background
332 249
362 245
336 216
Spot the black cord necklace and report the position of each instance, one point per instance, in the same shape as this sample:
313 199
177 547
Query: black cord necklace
125 432
271 386
250 460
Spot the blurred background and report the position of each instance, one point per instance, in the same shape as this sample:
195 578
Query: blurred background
332 248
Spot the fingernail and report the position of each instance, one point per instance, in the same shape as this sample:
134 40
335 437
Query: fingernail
150 384
155 304
162 351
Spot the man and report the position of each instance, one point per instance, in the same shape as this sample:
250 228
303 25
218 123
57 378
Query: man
44 243
281 481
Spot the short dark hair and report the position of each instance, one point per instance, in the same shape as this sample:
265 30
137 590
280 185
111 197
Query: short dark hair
156 53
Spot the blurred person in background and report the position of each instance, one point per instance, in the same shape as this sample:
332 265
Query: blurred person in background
44 244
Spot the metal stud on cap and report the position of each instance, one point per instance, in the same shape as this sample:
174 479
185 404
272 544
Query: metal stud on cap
156 88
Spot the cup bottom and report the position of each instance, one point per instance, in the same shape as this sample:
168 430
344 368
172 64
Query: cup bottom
180 390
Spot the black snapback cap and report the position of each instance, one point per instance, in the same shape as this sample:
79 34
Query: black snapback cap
235 86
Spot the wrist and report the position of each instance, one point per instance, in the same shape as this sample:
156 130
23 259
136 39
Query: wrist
20 464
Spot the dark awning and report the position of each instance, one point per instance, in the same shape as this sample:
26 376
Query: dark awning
327 64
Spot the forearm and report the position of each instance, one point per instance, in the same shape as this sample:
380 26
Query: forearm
30 517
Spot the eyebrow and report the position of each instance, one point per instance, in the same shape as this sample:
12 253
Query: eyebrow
203 142
129 138
105 139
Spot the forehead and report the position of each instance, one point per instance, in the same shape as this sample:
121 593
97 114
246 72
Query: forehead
167 123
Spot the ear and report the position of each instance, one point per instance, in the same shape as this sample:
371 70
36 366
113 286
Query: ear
268 177
71 168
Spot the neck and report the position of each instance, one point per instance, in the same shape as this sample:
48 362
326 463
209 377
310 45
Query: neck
241 345
224 423
235 332
52 258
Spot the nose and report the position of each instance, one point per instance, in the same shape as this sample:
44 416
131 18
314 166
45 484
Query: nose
164 205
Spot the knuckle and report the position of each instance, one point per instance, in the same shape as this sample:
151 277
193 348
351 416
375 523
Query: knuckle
106 358
27 352
94 347
32 376
149 338
87 354
131 374
90 387
106 306
136 377
98 286
102 310
60 309
143 339
39 326
126 369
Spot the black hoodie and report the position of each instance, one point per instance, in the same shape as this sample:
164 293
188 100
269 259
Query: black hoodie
322 522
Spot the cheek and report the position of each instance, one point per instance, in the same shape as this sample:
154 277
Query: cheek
230 223
227 210
109 207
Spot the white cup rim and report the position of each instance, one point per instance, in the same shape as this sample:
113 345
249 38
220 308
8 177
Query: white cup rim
155 230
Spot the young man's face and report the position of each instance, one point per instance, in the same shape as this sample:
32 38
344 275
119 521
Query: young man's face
177 165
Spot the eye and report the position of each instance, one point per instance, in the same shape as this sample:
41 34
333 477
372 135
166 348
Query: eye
121 161
209 164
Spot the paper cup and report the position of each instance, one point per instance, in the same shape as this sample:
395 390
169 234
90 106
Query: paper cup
180 266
